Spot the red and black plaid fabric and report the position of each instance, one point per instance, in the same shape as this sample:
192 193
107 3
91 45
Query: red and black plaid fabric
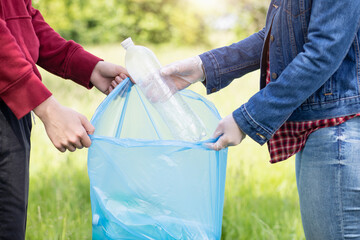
291 137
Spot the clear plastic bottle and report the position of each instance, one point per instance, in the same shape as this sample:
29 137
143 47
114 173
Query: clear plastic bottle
144 69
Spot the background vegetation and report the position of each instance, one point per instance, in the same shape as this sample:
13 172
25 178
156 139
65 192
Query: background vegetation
260 199
184 22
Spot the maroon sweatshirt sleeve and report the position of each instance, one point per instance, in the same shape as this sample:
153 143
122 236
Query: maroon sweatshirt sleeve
66 59
20 88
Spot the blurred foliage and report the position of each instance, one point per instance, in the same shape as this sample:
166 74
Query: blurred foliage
251 15
105 21
184 22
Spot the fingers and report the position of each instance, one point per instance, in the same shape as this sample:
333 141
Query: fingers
61 149
89 128
123 73
74 141
85 141
78 138
77 144
70 145
79 141
107 92
221 143
118 79
114 84
71 148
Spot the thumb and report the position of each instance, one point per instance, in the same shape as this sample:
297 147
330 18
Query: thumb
90 129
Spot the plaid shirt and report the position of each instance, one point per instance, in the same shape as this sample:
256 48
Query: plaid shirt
291 137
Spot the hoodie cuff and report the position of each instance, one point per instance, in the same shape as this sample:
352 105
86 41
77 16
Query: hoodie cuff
26 94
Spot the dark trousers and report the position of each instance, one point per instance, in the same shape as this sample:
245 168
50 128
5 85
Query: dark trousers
14 173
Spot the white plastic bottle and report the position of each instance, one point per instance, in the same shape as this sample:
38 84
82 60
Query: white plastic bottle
143 67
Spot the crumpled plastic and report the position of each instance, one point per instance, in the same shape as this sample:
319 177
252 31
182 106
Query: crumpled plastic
146 185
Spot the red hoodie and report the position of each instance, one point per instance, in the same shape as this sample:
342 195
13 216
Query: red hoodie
25 40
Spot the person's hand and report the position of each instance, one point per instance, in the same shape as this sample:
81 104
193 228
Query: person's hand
229 132
66 128
184 72
106 76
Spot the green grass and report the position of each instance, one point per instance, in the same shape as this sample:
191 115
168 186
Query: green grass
260 199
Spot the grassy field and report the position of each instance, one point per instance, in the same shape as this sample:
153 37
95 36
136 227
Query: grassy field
260 199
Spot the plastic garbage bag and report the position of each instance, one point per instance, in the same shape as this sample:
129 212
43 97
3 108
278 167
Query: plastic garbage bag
146 185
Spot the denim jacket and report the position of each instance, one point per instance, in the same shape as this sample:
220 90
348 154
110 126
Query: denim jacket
314 56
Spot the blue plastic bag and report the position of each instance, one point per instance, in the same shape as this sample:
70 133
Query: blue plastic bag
146 185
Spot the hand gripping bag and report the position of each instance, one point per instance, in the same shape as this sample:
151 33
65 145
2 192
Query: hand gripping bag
146 185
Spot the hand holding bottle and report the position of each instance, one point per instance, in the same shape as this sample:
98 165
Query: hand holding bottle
144 68
184 72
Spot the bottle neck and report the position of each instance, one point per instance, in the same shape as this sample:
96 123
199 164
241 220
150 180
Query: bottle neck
127 43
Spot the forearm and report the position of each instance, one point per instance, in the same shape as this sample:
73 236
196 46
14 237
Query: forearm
43 110
222 65
66 59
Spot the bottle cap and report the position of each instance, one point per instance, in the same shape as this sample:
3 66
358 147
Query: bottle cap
127 43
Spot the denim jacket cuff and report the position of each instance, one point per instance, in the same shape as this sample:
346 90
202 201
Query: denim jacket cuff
249 126
211 69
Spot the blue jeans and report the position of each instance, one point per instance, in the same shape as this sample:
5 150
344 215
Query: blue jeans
328 181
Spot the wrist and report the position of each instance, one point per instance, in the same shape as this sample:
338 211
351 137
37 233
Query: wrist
200 69
203 71
95 72
45 108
